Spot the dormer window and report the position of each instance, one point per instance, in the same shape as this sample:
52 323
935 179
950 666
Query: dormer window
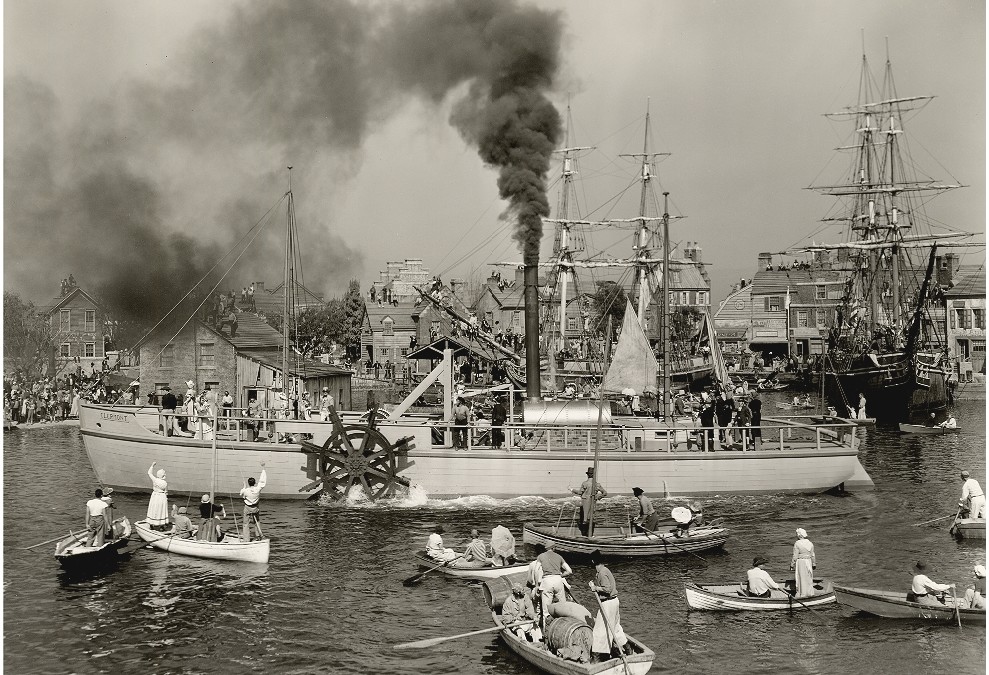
388 326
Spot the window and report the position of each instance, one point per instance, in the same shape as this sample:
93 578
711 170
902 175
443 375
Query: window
964 319
516 319
774 304
571 323
90 320
673 298
684 298
167 357
90 350
385 352
64 320
405 351
388 326
803 320
951 319
702 298
980 318
821 316
206 356
434 326
820 292
63 350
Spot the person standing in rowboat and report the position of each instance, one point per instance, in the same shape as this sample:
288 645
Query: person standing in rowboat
648 518
973 498
551 572
588 492
803 564
96 520
251 493
922 585
608 623
502 546
158 506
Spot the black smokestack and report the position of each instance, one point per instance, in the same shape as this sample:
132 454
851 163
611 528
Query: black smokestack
139 193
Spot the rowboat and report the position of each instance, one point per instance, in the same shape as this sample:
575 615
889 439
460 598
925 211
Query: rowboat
969 528
468 570
229 549
614 541
892 605
795 406
75 556
921 429
540 656
732 597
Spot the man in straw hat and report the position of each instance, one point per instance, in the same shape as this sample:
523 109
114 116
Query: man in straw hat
973 498
518 607
325 403
588 492
922 588
975 596
760 584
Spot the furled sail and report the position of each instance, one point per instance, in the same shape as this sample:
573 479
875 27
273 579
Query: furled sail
633 365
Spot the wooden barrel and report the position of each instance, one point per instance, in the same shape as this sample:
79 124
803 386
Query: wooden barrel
497 590
568 632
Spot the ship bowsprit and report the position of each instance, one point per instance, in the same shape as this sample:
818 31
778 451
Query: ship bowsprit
355 455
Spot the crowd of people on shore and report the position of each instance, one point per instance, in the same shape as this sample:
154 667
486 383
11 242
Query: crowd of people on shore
53 399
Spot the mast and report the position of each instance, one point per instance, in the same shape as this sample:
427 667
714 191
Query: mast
597 436
285 284
664 317
643 236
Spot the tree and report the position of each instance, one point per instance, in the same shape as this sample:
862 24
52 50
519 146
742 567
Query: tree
608 298
353 310
27 337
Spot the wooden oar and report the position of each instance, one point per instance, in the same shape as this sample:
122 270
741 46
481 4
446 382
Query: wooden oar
49 541
954 525
667 540
926 522
796 599
413 580
954 601
611 633
422 644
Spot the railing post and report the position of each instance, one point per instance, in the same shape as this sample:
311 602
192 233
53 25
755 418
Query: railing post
781 438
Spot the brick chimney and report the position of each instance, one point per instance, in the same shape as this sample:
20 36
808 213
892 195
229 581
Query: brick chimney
765 260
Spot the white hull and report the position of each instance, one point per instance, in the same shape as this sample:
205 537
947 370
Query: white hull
229 549
121 447
728 598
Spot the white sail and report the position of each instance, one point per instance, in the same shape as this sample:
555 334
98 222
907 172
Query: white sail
633 365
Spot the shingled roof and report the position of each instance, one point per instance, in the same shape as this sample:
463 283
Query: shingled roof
305 368
401 314
971 285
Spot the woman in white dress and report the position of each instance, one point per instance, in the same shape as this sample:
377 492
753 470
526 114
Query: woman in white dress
158 506
803 563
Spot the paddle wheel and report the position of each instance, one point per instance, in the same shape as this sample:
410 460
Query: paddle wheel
355 454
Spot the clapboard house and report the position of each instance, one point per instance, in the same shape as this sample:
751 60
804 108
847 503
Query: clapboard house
247 363
78 325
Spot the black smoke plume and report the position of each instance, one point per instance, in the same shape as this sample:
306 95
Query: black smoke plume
139 193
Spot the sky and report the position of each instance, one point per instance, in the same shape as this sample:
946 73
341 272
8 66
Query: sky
149 137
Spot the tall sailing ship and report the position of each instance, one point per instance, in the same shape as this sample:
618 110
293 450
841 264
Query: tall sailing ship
887 340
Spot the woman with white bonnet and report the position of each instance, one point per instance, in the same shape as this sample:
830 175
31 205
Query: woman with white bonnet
975 596
158 506
803 564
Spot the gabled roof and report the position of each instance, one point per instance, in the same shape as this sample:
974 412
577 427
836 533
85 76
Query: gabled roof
778 281
304 368
272 301
252 333
690 277
972 285
59 302
401 314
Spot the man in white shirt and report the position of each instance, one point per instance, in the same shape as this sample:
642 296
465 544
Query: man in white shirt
921 587
435 548
972 497
325 403
96 521
950 423
760 583
251 493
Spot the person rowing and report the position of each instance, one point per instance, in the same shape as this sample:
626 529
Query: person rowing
588 492
923 589
648 519
973 499
760 584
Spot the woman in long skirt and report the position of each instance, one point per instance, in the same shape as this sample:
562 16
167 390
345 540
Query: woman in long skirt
803 564
158 506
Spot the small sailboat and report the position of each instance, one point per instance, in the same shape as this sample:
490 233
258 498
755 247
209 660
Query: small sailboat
230 548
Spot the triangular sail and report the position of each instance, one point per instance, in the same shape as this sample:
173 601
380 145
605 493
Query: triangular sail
633 365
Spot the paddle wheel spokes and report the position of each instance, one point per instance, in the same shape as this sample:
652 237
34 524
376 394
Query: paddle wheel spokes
353 455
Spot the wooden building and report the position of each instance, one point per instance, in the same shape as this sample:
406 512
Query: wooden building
78 324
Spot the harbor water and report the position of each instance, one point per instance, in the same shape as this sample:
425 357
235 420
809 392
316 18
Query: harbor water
331 600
